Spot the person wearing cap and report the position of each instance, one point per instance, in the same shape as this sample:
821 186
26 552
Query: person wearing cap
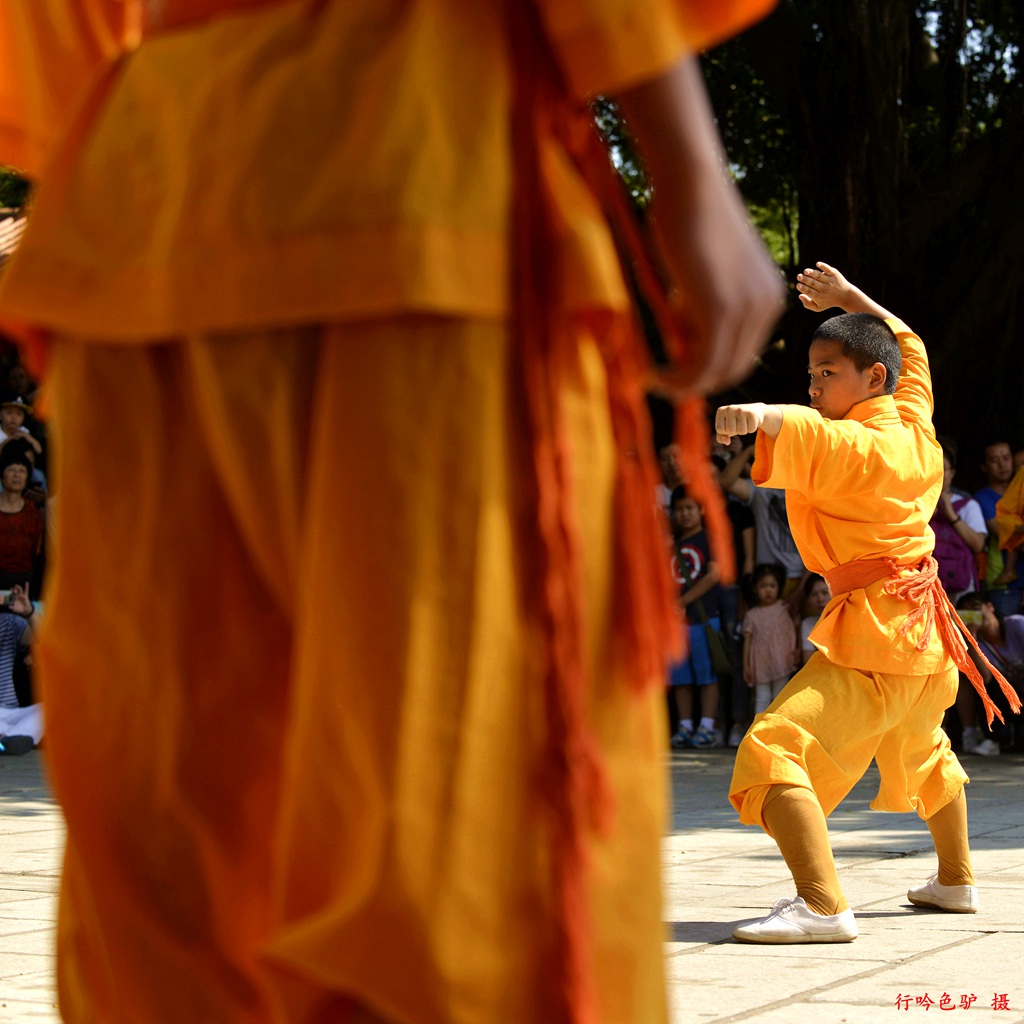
12 422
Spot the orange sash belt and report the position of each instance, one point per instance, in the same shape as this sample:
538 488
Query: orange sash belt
931 604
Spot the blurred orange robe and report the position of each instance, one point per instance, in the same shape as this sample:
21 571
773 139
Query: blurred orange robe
294 664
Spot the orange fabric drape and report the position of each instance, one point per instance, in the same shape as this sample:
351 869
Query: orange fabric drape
930 604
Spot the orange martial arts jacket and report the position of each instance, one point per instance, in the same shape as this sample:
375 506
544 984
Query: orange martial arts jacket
864 487
223 164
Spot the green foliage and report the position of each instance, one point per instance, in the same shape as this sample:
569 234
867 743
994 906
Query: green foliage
884 136
13 189
624 156
777 223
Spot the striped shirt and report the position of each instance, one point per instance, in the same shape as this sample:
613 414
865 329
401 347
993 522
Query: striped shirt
12 628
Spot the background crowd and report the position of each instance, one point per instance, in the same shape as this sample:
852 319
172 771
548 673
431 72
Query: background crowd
748 638
23 520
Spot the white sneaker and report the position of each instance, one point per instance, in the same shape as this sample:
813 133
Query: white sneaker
987 748
969 739
793 921
974 741
736 734
958 899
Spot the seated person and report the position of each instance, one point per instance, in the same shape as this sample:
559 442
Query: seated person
21 728
1002 642
960 531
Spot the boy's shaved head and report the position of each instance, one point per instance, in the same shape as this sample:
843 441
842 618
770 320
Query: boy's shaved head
866 340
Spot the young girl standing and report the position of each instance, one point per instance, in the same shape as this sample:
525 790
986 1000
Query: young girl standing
769 638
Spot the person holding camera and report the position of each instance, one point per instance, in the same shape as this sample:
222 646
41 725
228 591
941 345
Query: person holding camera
1001 639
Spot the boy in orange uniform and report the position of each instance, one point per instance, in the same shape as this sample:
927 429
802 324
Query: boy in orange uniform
862 472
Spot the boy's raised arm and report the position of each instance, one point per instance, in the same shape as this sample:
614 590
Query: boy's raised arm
825 287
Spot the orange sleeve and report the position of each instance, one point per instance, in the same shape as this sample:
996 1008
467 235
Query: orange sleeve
610 45
1010 513
812 455
50 52
913 395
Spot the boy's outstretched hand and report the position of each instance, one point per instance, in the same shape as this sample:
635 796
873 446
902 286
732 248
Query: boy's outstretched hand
732 420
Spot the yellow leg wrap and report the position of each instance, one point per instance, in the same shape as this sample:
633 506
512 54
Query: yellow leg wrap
948 827
796 822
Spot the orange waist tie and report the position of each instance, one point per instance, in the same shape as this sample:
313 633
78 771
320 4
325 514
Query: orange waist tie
933 605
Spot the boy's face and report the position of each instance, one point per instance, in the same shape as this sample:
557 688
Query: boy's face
836 385
998 464
686 515
11 418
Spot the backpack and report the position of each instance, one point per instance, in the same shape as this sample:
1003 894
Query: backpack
957 565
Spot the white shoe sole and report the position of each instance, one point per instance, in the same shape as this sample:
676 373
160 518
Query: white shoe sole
790 940
936 903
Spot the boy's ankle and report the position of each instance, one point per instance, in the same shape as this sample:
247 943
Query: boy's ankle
824 904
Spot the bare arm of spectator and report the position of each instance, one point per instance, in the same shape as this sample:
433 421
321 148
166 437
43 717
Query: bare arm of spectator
22 435
732 482
701 587
974 540
20 604
748 538
795 600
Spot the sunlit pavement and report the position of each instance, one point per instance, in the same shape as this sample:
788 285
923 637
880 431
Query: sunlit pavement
31 844
906 963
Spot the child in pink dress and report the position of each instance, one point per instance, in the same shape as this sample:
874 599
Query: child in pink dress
770 655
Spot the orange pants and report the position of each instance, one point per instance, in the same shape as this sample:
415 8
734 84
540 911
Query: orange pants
822 731
292 678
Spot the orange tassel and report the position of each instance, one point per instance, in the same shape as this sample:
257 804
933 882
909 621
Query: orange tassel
932 604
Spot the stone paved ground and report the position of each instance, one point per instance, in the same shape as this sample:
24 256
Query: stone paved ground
31 841
720 872
717 872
